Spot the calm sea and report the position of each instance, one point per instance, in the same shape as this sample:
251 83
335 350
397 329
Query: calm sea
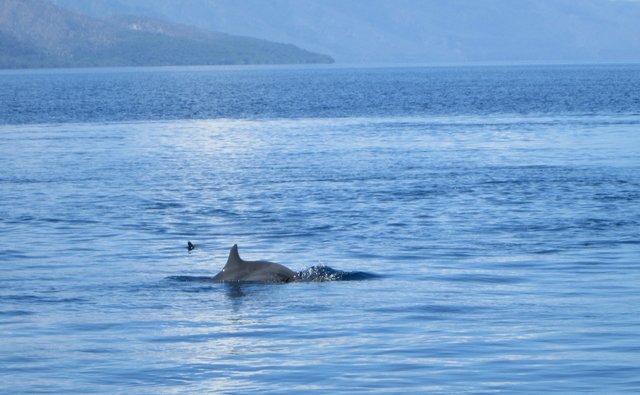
498 206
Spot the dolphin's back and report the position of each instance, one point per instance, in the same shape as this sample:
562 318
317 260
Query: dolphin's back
237 269
256 271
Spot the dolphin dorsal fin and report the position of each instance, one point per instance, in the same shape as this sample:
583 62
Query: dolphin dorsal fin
234 257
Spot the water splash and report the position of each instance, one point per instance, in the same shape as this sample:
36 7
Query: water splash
326 273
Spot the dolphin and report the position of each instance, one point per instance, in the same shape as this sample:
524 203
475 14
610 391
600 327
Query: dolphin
237 270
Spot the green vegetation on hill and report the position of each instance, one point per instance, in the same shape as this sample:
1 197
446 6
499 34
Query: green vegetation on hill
35 33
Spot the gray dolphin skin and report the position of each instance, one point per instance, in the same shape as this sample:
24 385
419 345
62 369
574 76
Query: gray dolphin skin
239 270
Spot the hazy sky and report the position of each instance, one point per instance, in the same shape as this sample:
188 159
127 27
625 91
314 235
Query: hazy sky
421 31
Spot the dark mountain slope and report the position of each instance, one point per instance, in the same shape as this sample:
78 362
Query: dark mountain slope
36 33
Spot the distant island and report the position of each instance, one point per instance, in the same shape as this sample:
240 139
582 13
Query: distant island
38 34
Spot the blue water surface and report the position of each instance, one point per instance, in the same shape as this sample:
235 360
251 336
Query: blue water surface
497 207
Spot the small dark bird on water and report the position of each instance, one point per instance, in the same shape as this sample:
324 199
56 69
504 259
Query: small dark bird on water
190 246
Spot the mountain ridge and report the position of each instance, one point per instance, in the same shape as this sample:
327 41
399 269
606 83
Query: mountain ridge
37 33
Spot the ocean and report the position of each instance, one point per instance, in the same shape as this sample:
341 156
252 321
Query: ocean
494 209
